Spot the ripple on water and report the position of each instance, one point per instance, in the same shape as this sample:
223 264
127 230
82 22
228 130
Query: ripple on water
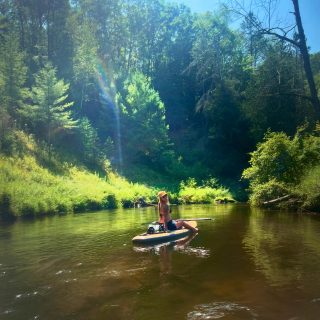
70 280
198 252
219 310
8 311
62 272
41 291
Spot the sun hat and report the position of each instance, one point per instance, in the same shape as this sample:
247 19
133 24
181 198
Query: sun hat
161 194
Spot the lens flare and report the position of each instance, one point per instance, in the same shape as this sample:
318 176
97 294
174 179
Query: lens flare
107 95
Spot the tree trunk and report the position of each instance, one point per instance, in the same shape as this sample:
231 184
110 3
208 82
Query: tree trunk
306 59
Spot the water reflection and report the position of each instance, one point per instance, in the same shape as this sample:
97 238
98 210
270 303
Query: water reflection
284 253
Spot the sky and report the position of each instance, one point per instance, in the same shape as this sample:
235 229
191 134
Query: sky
309 9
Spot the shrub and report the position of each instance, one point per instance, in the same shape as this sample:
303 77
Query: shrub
309 189
190 192
110 202
268 191
6 212
282 165
276 158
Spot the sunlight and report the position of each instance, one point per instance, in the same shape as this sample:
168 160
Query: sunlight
107 93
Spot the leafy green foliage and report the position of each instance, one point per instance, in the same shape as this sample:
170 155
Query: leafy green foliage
89 141
282 166
85 61
144 130
309 189
275 96
191 192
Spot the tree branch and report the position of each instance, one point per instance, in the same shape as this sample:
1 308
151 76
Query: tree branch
284 38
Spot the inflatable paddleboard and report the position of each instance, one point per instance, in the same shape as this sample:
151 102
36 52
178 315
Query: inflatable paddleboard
146 238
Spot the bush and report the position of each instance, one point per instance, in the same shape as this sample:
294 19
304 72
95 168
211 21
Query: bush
190 192
6 212
309 190
268 191
286 166
276 158
110 202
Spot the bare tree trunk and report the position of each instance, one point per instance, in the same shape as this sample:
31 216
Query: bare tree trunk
306 59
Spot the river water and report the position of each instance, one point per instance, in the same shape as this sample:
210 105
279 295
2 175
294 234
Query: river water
245 264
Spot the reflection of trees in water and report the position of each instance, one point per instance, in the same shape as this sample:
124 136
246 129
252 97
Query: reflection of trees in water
284 248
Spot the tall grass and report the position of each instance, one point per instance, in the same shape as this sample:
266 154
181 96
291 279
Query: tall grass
27 189
33 184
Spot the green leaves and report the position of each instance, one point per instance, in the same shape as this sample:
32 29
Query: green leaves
145 131
280 163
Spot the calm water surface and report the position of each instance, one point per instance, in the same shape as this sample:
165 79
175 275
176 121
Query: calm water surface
245 264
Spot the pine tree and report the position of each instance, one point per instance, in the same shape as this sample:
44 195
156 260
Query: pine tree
49 112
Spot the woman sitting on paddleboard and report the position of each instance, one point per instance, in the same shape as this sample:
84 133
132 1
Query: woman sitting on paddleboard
165 215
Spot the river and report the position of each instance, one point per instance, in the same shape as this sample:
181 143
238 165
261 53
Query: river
244 264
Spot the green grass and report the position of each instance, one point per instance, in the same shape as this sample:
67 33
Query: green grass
34 184
28 189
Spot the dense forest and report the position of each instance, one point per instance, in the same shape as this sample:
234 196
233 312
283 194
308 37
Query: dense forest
142 94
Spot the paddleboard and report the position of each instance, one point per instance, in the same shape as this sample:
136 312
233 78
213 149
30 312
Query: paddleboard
163 236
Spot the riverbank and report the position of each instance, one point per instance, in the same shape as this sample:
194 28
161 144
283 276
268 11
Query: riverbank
31 186
29 189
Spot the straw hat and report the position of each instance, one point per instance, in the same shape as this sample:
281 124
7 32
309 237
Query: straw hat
161 194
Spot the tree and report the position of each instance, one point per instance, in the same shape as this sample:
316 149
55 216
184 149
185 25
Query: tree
221 71
89 142
13 75
273 97
85 61
298 39
49 113
144 130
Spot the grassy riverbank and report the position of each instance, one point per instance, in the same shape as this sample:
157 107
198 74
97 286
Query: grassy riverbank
29 189
33 185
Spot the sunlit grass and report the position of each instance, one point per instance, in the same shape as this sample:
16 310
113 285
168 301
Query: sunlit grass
28 189
190 192
34 184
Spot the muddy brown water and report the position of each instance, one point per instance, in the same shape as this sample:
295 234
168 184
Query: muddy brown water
245 264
